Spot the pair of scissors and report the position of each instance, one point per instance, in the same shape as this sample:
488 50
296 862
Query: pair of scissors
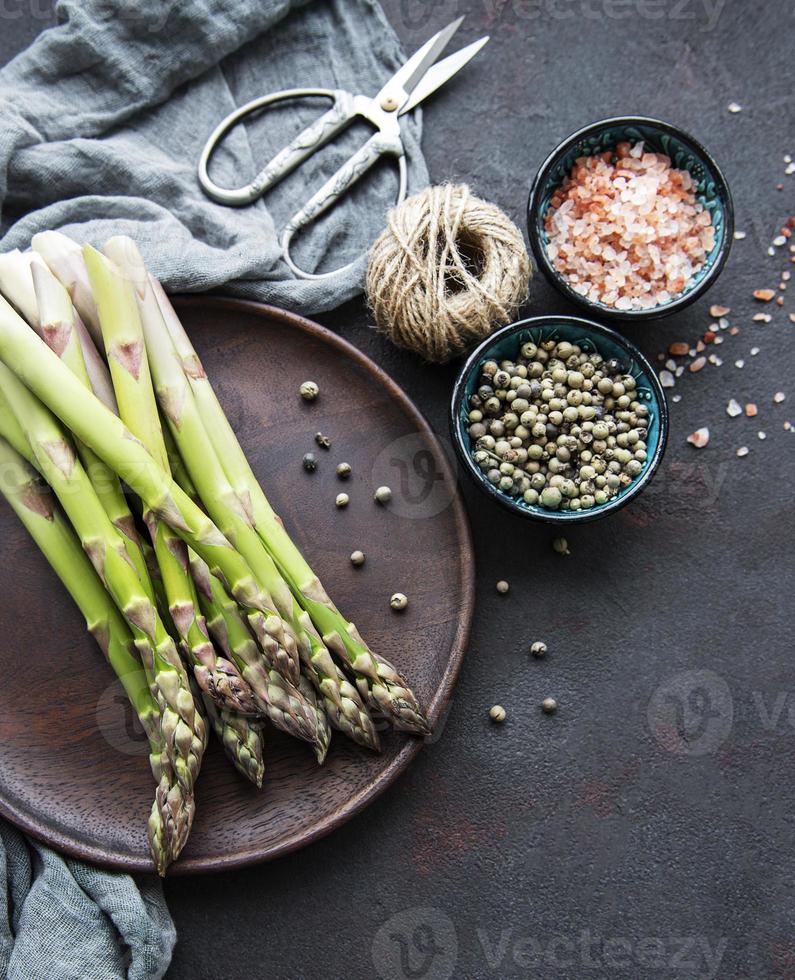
418 78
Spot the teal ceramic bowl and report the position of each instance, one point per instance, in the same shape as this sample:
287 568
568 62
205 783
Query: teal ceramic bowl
504 345
686 153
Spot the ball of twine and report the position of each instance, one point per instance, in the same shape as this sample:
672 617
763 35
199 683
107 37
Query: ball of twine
447 270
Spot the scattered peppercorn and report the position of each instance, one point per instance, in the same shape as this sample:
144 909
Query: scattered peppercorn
398 601
538 649
323 441
309 391
343 470
561 545
383 495
310 463
497 713
502 587
357 558
549 706
342 500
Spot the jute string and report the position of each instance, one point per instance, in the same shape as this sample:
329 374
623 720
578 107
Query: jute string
447 270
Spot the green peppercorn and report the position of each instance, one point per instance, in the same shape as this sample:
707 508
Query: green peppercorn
344 470
323 441
383 495
549 706
497 714
309 391
561 546
398 602
342 500
538 649
357 558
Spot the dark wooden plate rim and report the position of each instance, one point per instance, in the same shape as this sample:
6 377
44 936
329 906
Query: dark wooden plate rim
412 746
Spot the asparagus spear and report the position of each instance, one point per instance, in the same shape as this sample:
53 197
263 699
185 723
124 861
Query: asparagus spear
124 346
285 706
241 739
378 681
65 260
204 468
230 510
16 284
57 327
182 730
172 812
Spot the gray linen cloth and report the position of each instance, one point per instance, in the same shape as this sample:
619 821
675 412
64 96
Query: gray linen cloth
102 121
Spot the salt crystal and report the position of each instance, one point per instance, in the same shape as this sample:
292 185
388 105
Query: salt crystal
779 240
779 397
733 409
699 438
723 323
762 435
740 363
739 236
671 364
697 365
790 169
734 107
667 379
754 351
743 451
771 251
676 398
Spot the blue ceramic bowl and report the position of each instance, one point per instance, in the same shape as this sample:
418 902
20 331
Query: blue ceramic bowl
685 152
504 345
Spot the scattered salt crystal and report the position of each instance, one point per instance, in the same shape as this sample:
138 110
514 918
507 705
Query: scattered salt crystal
762 317
754 351
751 410
667 379
723 323
779 397
739 236
743 451
771 251
790 169
764 295
699 438
671 364
787 425
719 311
676 398
787 158
697 365
733 409
740 363
762 435
786 275
692 352
734 107
680 371
718 340
779 240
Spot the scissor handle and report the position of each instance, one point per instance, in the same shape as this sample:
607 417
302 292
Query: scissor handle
302 146
379 145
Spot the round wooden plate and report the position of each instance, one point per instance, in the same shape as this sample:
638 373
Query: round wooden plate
73 766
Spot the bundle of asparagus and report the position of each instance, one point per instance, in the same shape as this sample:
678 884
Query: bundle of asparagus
216 622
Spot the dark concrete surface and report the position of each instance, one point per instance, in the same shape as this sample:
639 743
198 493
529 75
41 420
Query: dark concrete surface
646 830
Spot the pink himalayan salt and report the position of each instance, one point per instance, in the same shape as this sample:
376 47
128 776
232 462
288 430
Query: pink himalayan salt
625 229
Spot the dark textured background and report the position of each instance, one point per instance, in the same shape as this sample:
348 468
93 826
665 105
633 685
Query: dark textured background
646 830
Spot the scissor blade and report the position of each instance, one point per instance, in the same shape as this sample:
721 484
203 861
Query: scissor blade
405 79
441 72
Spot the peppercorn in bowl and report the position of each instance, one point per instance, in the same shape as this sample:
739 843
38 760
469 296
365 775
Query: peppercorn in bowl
559 419
630 218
